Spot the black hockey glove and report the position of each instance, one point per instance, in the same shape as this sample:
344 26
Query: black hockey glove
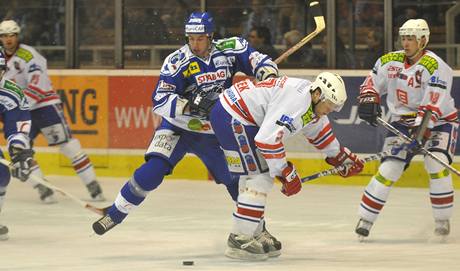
369 108
201 103
22 162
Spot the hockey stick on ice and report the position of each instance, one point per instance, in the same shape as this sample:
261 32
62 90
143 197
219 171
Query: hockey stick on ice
84 204
335 170
320 26
422 149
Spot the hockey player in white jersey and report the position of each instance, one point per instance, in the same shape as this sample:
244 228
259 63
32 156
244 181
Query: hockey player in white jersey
28 69
251 122
15 116
417 84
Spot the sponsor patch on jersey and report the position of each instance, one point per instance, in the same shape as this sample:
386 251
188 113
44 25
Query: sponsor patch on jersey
287 122
308 116
193 68
165 87
8 103
226 44
211 77
430 63
220 61
24 54
34 67
436 82
399 57
23 126
232 95
14 88
163 142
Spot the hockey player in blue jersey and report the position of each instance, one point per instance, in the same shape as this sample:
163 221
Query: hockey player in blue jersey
14 113
183 95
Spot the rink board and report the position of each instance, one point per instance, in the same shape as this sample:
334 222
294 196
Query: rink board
109 111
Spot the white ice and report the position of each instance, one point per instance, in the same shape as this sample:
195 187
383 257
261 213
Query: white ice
190 221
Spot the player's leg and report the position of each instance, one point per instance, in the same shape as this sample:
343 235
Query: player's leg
165 151
442 144
4 181
377 191
53 125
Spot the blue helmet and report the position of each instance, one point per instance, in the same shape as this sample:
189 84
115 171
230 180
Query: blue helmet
199 23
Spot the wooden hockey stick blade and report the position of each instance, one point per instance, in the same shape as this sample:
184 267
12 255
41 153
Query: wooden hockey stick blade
320 23
404 137
335 170
44 182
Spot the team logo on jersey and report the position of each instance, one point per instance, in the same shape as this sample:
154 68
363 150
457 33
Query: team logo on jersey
286 121
165 87
220 61
34 67
308 116
210 77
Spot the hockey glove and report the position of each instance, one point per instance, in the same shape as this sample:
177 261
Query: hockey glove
290 180
369 107
345 157
201 102
265 72
419 138
22 162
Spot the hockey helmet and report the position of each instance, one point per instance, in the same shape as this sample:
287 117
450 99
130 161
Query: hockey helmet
332 89
9 27
415 27
199 23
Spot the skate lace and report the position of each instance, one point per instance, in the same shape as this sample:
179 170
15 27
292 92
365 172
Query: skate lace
249 243
265 237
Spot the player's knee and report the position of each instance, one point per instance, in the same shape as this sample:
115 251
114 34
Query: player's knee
71 148
150 174
432 166
259 185
392 169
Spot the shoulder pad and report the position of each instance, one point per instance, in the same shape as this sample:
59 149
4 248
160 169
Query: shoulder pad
393 56
233 43
13 88
24 54
430 63
174 62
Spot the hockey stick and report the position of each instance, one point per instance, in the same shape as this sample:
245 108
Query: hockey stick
335 170
320 26
423 149
43 181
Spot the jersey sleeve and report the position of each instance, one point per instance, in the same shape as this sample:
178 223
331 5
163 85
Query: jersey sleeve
321 136
375 82
247 59
170 86
436 81
38 88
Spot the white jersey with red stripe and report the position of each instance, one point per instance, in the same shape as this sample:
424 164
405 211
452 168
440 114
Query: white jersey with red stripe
411 89
28 69
281 107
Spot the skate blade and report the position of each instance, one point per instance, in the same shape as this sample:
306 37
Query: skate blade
244 255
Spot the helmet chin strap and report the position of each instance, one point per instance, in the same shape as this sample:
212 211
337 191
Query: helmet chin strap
418 52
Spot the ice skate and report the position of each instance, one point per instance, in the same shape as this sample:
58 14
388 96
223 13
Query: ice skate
363 228
46 194
95 191
103 225
441 227
274 246
3 233
244 247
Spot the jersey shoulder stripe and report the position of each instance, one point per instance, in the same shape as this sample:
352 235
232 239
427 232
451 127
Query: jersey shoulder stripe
24 54
392 56
430 63
231 44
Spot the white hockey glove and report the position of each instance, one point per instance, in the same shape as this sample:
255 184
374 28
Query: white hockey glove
22 162
265 72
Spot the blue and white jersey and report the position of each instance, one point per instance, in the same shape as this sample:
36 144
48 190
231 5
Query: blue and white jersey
183 72
14 112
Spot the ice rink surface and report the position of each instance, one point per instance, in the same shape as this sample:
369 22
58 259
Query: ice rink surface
189 220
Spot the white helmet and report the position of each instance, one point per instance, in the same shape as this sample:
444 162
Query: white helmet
332 89
417 28
9 27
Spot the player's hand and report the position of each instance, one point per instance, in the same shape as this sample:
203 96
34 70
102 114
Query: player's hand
290 180
369 107
201 102
416 145
22 162
265 72
345 157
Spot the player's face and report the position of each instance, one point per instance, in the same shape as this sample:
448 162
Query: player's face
199 44
410 45
324 107
10 42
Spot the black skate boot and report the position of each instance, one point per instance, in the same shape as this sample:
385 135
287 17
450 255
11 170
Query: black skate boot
363 228
103 225
244 247
3 233
441 227
95 191
46 194
274 246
